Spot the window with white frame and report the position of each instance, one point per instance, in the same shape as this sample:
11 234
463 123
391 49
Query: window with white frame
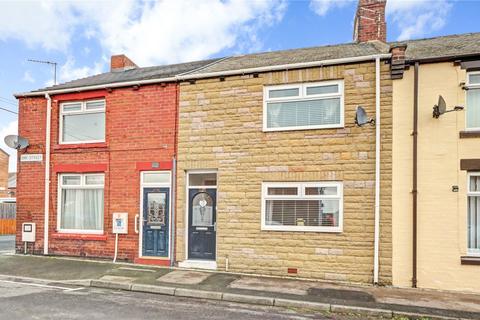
303 106
474 213
80 203
302 206
473 101
82 121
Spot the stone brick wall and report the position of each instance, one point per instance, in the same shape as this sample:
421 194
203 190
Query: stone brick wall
3 174
220 127
140 128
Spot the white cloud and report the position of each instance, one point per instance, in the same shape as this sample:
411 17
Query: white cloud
149 32
414 18
417 18
9 128
69 70
321 7
27 77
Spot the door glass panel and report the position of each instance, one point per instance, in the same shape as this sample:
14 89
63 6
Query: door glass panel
202 210
156 208
156 177
202 179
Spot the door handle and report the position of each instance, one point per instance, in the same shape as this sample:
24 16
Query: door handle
136 223
215 227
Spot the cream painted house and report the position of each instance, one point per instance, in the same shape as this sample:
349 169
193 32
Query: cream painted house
447 164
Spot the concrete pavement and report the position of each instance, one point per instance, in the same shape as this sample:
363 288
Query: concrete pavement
381 301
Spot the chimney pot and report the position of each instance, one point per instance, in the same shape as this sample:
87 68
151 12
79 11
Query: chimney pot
370 21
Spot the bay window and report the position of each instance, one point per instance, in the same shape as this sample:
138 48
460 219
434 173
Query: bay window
302 206
80 203
82 121
303 106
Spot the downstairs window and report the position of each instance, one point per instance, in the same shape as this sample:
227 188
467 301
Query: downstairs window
297 206
80 203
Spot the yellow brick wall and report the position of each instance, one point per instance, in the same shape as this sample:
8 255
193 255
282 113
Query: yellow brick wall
442 214
220 127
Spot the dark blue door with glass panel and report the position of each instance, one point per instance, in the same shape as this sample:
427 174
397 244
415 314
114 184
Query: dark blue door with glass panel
202 224
156 204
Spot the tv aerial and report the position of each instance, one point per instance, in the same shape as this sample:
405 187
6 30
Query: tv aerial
361 117
16 142
441 108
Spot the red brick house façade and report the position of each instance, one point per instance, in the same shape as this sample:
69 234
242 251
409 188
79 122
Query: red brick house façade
107 146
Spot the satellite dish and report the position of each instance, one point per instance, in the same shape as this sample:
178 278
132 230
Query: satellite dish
440 108
361 117
16 142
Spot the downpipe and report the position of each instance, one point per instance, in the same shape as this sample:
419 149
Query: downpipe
47 174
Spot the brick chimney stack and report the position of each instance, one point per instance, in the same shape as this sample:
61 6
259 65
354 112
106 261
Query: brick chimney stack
121 62
370 21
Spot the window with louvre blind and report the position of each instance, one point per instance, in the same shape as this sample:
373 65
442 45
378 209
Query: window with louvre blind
315 105
473 216
302 206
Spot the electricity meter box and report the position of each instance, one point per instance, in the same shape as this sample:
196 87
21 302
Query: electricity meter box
28 232
120 222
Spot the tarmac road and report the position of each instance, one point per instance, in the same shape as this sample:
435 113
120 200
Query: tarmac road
39 301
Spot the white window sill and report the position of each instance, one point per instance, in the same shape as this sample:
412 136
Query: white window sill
73 231
303 229
340 126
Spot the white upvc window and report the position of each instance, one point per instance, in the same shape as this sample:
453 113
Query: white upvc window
302 206
314 105
473 215
80 203
82 122
473 101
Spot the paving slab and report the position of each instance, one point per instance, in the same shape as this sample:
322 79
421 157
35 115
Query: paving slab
118 279
184 277
272 285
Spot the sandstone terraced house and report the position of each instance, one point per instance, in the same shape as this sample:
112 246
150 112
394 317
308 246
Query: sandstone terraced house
289 163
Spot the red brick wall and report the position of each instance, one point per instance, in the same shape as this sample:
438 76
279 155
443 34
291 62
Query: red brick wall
370 21
140 127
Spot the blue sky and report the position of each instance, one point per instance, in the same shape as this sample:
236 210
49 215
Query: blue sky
81 35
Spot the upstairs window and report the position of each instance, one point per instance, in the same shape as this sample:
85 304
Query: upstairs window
303 106
82 121
473 101
302 206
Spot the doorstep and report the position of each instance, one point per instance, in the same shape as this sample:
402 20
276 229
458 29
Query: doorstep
152 261
198 264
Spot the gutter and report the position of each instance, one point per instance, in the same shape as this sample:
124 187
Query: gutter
47 173
186 77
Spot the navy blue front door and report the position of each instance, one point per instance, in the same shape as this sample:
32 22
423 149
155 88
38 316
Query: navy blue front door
202 224
156 204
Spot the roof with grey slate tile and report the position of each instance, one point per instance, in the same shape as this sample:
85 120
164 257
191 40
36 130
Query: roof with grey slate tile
136 74
274 58
445 47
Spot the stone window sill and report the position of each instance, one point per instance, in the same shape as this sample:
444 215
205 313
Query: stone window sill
470 260
469 134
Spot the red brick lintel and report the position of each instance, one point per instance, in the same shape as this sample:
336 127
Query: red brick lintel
80 168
